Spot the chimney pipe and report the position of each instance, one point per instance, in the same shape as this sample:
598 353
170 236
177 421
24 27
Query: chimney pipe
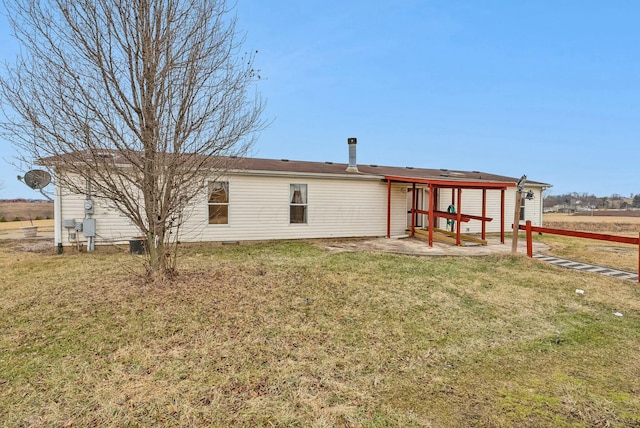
353 166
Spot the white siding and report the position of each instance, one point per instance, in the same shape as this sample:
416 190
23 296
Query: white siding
533 208
337 207
259 209
398 208
111 226
471 201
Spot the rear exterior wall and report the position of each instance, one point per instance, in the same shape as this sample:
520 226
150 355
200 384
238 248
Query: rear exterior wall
259 210
259 207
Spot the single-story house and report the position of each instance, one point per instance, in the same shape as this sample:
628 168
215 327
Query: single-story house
268 199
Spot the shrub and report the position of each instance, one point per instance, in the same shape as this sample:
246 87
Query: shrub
3 219
16 219
38 218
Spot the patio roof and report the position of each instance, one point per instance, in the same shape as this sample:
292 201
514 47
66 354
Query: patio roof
456 186
452 184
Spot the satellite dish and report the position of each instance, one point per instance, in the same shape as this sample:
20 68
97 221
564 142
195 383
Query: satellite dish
37 179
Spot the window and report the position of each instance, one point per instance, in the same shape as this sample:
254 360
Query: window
522 205
218 202
298 203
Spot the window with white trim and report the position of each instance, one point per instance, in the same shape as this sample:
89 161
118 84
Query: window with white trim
298 203
218 202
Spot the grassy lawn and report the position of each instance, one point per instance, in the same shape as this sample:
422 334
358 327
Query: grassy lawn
285 334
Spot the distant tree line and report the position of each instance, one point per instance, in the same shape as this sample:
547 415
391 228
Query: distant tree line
575 201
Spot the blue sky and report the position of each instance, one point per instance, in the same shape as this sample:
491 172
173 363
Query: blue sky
550 89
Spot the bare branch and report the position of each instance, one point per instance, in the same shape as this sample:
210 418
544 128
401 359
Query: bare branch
143 99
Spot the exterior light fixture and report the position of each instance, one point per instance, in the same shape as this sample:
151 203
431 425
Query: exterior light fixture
520 183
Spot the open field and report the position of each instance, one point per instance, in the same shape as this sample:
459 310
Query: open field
619 225
25 211
619 256
287 334
609 213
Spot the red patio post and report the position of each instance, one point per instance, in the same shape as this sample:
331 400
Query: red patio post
431 219
529 240
459 217
413 210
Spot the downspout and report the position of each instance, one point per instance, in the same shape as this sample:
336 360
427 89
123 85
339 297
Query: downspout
388 208
57 216
541 208
484 214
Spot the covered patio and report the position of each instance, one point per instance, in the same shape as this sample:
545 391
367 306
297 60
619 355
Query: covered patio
433 213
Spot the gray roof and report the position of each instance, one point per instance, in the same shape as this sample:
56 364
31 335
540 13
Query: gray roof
250 164
293 166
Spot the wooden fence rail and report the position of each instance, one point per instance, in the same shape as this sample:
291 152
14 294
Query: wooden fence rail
588 235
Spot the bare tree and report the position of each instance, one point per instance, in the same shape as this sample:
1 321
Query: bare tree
138 102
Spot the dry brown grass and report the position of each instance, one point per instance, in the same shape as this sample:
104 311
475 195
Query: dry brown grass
617 225
285 334
619 256
25 211
14 226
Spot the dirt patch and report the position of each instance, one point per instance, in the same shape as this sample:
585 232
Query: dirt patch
34 245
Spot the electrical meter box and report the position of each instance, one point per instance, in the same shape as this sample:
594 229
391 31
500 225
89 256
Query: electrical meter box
88 206
89 227
78 226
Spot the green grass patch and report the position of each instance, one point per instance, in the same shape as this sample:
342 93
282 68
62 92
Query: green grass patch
286 334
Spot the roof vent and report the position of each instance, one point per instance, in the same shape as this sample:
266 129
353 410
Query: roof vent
329 163
373 165
353 166
409 167
284 160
